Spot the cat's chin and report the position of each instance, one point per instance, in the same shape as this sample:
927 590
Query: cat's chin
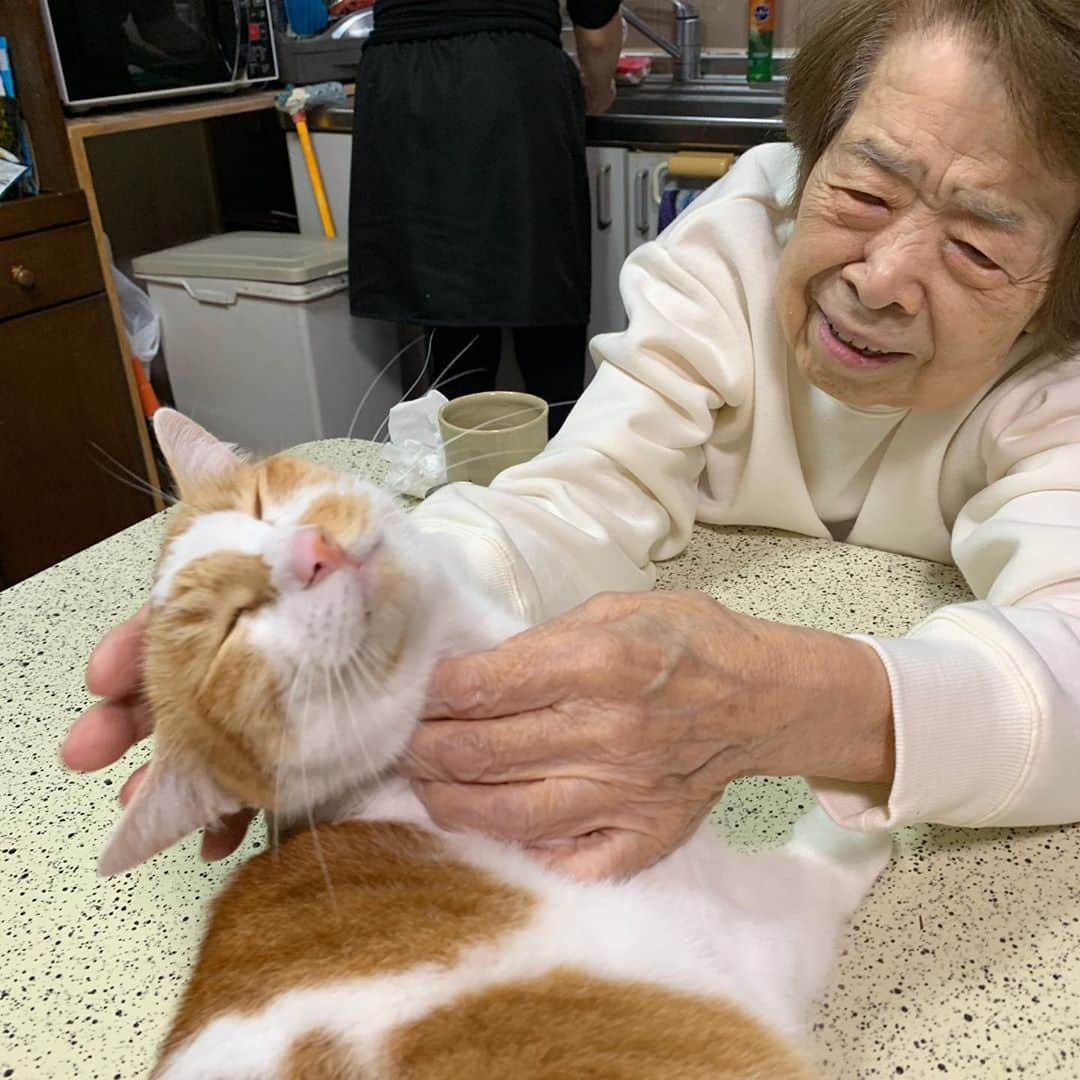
346 739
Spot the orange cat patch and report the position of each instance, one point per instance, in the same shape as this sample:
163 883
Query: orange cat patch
236 730
281 477
399 903
570 1024
342 517
321 1056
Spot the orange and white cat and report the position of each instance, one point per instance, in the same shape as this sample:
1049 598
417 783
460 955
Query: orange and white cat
296 618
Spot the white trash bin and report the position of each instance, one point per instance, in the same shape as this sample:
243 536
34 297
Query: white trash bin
259 343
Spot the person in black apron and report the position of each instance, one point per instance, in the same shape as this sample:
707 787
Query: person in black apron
469 201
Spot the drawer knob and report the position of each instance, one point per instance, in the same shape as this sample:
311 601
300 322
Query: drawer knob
23 276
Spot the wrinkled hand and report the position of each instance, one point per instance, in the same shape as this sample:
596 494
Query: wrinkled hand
601 739
107 730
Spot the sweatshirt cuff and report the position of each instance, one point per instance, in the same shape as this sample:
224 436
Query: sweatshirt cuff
964 720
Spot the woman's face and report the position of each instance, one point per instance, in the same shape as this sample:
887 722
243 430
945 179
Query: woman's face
926 237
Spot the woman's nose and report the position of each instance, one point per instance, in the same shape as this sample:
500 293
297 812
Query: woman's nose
890 274
312 556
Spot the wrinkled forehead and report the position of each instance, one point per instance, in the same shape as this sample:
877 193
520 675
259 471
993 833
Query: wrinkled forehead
257 511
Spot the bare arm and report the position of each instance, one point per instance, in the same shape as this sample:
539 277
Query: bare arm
598 53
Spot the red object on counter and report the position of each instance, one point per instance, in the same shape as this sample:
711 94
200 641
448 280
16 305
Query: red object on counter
347 7
632 69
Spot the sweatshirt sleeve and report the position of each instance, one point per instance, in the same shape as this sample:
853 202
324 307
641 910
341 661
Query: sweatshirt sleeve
986 695
617 488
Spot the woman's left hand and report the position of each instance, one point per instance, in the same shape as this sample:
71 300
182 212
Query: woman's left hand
599 96
601 739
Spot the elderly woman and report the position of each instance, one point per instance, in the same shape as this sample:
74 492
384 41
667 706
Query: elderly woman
866 335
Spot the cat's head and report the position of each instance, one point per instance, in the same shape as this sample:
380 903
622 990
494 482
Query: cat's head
277 653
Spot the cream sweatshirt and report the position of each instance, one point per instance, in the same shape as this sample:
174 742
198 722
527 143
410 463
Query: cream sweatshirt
697 413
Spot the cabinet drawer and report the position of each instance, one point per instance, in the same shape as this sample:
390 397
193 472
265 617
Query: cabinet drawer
45 268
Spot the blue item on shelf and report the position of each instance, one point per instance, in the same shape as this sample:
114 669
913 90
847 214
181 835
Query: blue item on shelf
306 17
673 201
7 85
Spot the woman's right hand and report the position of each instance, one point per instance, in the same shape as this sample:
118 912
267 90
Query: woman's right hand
107 730
597 58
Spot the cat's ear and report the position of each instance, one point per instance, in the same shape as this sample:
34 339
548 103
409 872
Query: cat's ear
192 452
169 803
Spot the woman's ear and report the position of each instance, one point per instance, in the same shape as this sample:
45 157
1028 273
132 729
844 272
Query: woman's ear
192 453
169 803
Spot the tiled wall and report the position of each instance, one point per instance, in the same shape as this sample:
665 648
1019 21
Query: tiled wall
726 21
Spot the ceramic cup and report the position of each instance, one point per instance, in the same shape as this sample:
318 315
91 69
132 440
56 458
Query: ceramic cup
486 433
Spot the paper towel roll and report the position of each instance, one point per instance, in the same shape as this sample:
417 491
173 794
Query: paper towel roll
690 165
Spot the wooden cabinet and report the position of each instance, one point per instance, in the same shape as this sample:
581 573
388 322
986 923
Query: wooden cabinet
46 268
64 445
69 440
73 447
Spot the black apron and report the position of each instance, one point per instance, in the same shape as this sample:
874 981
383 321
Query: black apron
469 197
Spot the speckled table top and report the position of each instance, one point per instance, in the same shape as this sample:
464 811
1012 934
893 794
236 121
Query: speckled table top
963 961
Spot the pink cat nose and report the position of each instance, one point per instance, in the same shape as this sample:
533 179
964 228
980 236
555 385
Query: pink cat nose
312 556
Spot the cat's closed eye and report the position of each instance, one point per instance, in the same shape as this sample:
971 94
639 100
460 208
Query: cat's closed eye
234 620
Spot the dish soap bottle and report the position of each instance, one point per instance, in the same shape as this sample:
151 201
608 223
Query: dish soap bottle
760 47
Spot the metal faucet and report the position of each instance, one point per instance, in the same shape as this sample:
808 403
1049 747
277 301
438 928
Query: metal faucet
685 50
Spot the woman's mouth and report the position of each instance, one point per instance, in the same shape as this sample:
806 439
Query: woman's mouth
851 350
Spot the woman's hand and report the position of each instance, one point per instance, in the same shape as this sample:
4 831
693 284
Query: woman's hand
599 96
602 738
597 57
106 731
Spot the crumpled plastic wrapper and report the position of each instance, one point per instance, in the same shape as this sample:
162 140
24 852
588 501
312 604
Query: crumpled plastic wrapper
415 450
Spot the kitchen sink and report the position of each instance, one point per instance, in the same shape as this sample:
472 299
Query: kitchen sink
721 111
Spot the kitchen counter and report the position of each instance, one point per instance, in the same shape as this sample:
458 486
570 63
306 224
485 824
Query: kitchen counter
720 111
963 961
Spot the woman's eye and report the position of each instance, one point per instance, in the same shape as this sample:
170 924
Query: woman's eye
865 197
975 256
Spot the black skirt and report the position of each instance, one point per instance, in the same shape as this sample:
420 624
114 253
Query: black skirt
469 193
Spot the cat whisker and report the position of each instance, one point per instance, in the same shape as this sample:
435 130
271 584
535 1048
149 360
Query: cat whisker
308 809
373 772
379 659
371 386
130 478
365 666
346 697
333 716
375 667
280 764
524 410
484 457
441 381
371 649
423 371
412 386
438 385
364 677
409 757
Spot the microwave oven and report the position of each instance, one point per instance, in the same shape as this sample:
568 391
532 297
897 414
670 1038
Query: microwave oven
112 52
